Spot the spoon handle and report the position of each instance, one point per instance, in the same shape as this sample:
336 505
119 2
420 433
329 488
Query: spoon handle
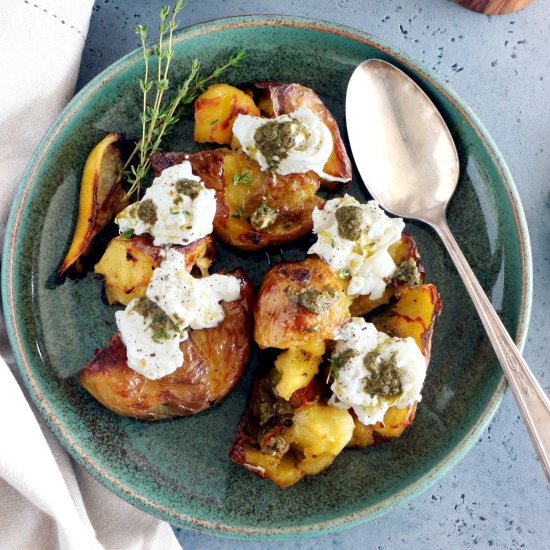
533 403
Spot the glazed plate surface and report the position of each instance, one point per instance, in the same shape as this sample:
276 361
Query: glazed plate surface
179 469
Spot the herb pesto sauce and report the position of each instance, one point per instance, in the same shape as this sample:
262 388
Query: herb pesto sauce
408 272
385 378
188 187
350 222
275 139
263 216
317 301
147 212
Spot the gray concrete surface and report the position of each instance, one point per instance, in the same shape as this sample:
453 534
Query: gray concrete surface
497 496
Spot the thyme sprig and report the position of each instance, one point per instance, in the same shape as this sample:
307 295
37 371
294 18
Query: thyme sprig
159 116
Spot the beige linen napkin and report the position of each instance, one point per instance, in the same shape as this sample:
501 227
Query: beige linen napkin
46 500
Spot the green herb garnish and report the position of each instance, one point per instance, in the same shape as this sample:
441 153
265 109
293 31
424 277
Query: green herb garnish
127 233
344 273
160 336
159 117
242 179
334 368
174 212
239 213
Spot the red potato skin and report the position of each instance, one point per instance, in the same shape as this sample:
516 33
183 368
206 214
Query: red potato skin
293 221
286 98
214 359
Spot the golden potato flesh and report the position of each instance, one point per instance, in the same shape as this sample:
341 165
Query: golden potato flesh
216 110
282 470
297 367
214 359
254 209
321 430
405 255
395 421
412 315
299 302
278 98
127 264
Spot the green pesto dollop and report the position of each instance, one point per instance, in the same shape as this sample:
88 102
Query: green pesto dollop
317 301
191 188
147 308
263 216
350 222
147 211
340 361
277 445
346 356
279 410
275 139
160 324
408 273
385 379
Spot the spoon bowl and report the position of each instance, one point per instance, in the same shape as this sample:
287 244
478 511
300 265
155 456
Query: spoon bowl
407 159
401 114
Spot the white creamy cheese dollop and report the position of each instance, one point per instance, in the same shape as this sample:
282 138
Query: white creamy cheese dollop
146 354
311 149
186 301
365 260
357 339
181 218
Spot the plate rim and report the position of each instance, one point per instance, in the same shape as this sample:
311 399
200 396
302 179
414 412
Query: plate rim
206 525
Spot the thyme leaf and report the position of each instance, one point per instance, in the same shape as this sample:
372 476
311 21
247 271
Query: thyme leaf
243 179
239 213
334 367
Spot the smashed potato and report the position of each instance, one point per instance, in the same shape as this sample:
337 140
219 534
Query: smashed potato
299 302
127 264
214 359
215 111
254 209
284 438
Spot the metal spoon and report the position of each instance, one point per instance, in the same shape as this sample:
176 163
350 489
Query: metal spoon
408 162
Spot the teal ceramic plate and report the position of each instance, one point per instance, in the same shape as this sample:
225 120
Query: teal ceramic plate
179 470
